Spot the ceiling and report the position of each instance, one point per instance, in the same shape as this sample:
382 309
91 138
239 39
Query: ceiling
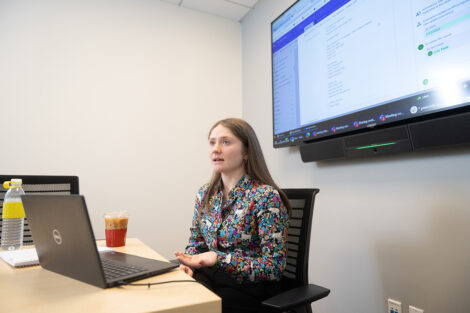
234 10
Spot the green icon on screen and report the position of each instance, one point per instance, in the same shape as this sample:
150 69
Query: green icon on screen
419 98
429 53
420 47
425 81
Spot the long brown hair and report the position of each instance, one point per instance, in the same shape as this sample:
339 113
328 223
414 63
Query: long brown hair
255 165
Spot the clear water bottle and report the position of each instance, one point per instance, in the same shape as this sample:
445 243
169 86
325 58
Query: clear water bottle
13 215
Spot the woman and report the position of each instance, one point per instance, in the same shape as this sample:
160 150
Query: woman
238 238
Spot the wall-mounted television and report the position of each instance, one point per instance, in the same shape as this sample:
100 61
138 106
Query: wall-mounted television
363 77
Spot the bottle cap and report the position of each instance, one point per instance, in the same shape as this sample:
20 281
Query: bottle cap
14 181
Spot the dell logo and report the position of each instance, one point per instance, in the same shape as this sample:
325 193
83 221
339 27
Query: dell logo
57 236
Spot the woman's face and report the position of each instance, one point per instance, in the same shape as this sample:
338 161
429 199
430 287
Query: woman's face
226 151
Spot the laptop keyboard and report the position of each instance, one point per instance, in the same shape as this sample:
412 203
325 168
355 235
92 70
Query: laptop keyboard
114 270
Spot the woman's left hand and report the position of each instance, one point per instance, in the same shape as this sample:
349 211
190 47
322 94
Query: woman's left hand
205 259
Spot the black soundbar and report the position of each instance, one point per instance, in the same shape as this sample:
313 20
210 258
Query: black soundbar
439 132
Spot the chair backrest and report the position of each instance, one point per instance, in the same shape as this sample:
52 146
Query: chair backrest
298 247
39 184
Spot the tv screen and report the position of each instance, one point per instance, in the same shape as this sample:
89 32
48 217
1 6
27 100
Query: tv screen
346 66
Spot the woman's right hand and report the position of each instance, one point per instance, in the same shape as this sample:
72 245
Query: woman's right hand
186 269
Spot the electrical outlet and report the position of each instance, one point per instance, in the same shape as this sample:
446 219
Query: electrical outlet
394 306
415 310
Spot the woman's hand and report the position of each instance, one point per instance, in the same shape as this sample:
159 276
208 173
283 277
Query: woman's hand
205 259
186 269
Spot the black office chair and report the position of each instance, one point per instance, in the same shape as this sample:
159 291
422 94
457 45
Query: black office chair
39 184
297 294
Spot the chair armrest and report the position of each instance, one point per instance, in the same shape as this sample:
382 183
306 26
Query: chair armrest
297 296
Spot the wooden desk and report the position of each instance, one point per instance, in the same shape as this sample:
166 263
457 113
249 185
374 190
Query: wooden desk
33 289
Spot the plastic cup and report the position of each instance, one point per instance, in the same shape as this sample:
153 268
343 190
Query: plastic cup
116 228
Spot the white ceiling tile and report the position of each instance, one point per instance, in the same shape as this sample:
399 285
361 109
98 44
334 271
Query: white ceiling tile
231 9
247 3
218 7
172 1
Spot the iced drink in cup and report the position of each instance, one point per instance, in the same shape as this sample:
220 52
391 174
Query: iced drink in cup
116 228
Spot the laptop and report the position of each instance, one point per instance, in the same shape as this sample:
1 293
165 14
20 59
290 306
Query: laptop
65 244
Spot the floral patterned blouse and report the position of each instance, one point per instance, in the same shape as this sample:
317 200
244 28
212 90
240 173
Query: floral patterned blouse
248 232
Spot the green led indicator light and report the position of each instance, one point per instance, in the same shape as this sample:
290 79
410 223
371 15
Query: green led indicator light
429 53
420 47
377 145
425 81
419 98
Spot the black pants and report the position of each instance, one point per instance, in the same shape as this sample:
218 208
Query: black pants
236 297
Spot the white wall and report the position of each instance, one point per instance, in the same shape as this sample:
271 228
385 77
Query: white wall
394 226
121 93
